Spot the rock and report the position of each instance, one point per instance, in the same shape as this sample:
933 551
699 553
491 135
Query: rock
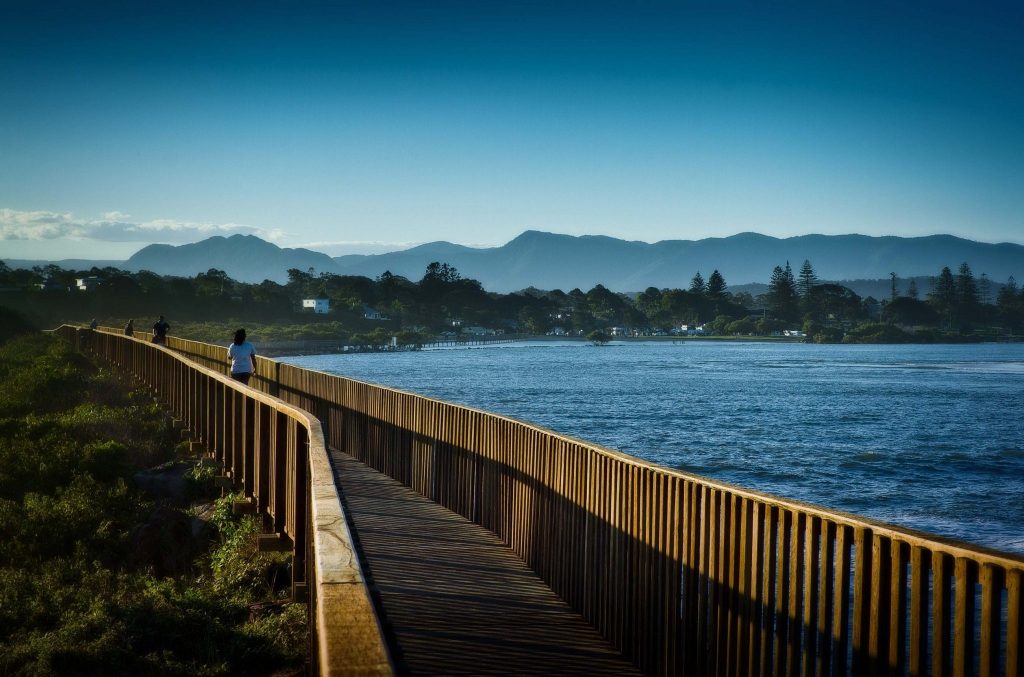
165 482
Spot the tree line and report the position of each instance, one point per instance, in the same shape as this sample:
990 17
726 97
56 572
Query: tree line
957 303
442 299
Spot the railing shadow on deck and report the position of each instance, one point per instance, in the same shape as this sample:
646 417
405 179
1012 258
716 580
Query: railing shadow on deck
761 588
681 573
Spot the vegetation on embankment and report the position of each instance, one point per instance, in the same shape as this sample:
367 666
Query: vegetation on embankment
99 577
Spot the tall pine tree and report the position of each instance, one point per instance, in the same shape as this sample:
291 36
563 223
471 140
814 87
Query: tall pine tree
716 285
807 278
966 294
697 285
943 295
783 298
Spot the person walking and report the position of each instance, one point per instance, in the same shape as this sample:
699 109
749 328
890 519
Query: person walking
160 330
129 329
93 324
242 356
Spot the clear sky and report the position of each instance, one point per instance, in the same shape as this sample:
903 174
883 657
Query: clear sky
356 127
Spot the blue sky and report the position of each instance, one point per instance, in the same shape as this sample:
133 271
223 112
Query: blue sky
361 127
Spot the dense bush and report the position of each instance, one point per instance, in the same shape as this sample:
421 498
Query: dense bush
77 596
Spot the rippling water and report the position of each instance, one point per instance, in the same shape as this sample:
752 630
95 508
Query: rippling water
930 437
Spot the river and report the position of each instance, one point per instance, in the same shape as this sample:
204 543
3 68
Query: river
926 436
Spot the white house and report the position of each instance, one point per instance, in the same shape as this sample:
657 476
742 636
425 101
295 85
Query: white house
693 330
474 330
318 306
87 283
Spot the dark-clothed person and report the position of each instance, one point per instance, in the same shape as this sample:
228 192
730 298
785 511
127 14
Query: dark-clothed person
160 330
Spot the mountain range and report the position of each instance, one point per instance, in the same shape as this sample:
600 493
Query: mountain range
552 261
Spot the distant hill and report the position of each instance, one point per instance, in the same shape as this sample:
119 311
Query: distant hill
243 257
66 264
550 261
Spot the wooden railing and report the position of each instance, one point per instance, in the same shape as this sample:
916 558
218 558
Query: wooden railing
683 574
274 453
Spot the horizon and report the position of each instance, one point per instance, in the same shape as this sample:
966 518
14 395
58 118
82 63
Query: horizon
409 246
351 129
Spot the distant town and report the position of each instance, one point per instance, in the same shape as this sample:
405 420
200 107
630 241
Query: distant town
443 305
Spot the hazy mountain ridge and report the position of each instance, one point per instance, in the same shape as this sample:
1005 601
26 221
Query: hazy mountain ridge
243 257
66 264
553 261
550 261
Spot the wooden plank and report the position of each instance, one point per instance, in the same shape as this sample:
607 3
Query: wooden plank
657 586
920 561
1014 623
796 566
862 538
720 610
755 609
941 613
841 607
782 587
727 614
692 572
741 631
898 607
963 629
812 553
673 609
768 589
881 586
991 601
826 598
706 597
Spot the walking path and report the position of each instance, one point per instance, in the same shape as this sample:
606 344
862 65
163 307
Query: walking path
454 599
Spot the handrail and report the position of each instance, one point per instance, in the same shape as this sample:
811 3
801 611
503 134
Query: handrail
275 453
684 573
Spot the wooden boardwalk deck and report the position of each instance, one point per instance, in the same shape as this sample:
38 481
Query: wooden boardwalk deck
453 598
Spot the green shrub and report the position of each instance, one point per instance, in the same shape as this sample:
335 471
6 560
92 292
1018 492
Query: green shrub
236 564
199 482
75 596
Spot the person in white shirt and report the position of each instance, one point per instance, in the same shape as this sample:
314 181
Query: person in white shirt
242 356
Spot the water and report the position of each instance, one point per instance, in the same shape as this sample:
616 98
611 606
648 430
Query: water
930 437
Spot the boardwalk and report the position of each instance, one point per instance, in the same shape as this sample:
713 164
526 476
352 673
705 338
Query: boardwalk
455 600
491 545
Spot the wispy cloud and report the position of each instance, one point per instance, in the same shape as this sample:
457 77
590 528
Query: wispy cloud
116 227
